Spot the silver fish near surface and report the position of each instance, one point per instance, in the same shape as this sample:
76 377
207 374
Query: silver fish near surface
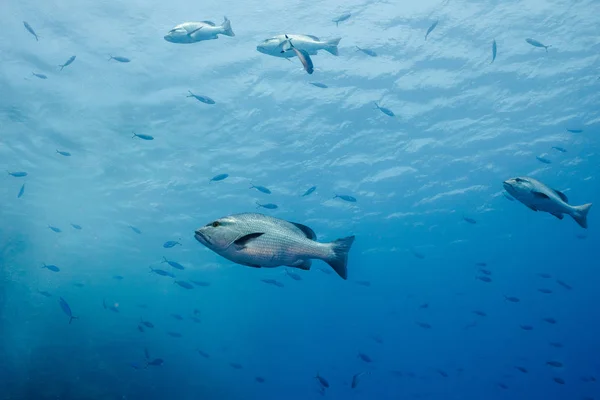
193 32
539 197
309 43
260 241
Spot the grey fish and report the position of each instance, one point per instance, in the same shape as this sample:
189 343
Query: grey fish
522 369
293 275
119 59
157 362
322 381
485 271
512 299
305 60
203 99
494 50
64 153
480 313
319 85
54 229
309 191
384 110
177 317
549 320
75 226
273 282
44 293
539 197
545 291
575 130
355 377
162 272
51 267
184 284
257 240
171 243
173 264
558 380
269 206
561 149
367 284
341 18
424 325
200 283
142 136
544 275
147 324
366 51
536 43
526 327
203 353
30 30
564 284
486 279
118 277
364 357
417 254
261 189
470 220
556 364
66 309
18 174
68 62
41 76
21 191
259 379
236 365
345 197
136 230
219 177
543 160
431 28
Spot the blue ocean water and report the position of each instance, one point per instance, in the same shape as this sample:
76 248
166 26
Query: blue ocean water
414 304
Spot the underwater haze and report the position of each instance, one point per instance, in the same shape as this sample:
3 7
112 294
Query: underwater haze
119 144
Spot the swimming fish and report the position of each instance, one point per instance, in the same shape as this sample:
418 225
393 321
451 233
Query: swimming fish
494 49
184 284
30 30
261 189
203 99
543 160
161 272
561 149
119 59
21 191
219 177
136 230
157 362
54 229
319 85
512 299
305 60
18 174
51 267
44 293
173 264
341 18
470 220
64 153
309 191
66 309
273 282
258 240
345 197
142 136
535 43
366 51
41 76
269 206
75 226
322 381
354 382
539 197
575 130
147 324
293 275
171 243
431 28
68 62
384 110
309 43
193 32
200 283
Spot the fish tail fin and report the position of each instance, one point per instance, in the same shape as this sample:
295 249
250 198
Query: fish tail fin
546 47
258 205
227 31
110 57
72 318
339 259
164 260
580 214
134 134
331 46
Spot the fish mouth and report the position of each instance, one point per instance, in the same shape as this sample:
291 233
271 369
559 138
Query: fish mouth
201 237
261 49
506 185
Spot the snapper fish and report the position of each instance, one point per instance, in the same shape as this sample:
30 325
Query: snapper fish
279 45
539 197
260 241
193 32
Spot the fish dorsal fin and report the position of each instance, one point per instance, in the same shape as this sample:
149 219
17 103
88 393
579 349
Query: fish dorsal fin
244 240
557 215
562 196
306 230
209 23
540 195
313 37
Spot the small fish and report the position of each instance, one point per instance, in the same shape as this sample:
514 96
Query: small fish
54 229
322 381
424 306
575 130
200 283
522 369
366 51
549 320
140 328
161 272
147 324
309 191
219 177
78 284
538 196
30 30
364 357
135 366
442 372
142 136
203 354
431 28
64 153
319 85
543 160
173 264
69 62
502 385
202 99
261 189
363 283
21 191
157 362
75 226
305 59
279 45
273 282
535 43
561 149
469 220
417 254
345 197
119 59
293 275
118 277
384 110
259 379
52 268
484 278
44 293
175 334
171 243
485 271
564 284
177 317
193 32
558 380
481 264
136 230
18 174
236 365
66 309
526 327
512 299
556 364
581 236
184 284
480 313
113 308
325 270
355 381
424 325
146 353
545 291
269 206
558 345
41 76
494 50
544 275
341 18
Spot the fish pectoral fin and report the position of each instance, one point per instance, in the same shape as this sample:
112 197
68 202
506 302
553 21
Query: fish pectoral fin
540 195
558 215
252 265
244 240
562 196
302 264
533 208
194 31
306 230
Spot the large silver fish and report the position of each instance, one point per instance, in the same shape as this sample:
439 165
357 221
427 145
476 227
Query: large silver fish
539 197
260 241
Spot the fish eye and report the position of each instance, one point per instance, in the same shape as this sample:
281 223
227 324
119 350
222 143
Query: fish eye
215 224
